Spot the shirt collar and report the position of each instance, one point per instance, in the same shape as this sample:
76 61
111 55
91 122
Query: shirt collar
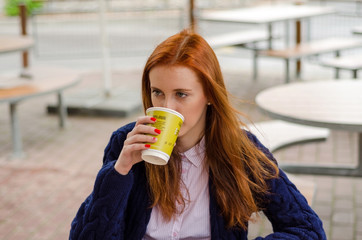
196 154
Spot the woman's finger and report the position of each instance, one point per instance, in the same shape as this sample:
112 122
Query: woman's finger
145 120
140 138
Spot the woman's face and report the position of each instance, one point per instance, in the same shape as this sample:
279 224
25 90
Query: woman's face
178 88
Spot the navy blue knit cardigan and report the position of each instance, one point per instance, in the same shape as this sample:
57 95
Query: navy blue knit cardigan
118 208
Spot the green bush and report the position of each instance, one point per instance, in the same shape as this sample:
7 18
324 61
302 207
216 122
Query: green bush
12 6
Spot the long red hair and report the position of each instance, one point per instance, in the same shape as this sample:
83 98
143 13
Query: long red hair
238 170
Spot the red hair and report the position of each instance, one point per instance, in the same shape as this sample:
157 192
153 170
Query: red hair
238 170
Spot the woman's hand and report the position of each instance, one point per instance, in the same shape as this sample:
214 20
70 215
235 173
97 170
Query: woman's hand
135 143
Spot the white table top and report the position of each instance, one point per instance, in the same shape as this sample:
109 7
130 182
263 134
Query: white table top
14 43
330 104
266 14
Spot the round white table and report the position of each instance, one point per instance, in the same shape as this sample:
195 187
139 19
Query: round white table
328 104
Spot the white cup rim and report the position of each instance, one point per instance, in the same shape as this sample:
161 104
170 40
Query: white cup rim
166 110
154 156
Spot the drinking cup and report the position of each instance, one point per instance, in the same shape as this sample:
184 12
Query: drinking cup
169 122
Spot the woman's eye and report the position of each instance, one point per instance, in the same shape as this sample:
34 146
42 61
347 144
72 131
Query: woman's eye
181 94
156 92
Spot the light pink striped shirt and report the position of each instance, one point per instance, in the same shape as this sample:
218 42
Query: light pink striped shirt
194 221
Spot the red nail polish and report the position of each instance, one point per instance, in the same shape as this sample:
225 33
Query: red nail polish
157 131
147 145
153 119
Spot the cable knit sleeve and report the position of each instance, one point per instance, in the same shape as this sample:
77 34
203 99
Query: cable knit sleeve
101 216
288 210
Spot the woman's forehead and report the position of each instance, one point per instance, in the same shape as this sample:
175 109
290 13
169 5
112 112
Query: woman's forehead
173 75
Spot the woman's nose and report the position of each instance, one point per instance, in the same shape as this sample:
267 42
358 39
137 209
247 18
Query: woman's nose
169 103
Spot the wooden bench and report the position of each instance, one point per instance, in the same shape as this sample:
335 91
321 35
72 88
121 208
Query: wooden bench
314 48
352 63
45 80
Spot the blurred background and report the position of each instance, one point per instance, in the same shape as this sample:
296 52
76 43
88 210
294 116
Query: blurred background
106 43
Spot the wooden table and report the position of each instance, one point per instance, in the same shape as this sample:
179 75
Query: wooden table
267 15
45 80
328 104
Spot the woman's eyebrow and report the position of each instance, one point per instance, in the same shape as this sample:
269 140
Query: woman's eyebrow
182 90
175 90
154 88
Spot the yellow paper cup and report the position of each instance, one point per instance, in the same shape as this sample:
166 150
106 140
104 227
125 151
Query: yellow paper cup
169 122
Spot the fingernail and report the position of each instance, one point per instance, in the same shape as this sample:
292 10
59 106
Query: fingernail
154 139
157 131
153 119
147 145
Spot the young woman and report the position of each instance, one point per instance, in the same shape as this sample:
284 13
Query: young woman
217 176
